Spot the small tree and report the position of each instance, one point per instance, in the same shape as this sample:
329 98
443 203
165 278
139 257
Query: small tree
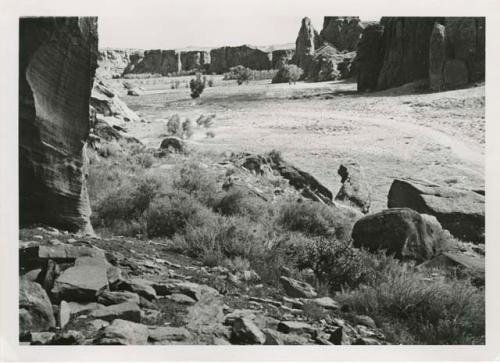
174 125
197 86
288 73
241 74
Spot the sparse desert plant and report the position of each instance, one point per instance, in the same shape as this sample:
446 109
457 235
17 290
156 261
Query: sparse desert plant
197 86
211 82
175 85
239 202
187 128
308 217
288 73
210 134
198 182
174 125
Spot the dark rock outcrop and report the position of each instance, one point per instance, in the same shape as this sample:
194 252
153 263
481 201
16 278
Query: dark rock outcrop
57 62
369 57
308 40
158 61
400 231
281 57
195 60
406 50
328 64
343 32
221 59
459 211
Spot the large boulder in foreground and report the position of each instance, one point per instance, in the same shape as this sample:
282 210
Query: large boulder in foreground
57 62
402 232
35 308
459 211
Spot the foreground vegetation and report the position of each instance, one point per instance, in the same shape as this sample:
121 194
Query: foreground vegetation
184 207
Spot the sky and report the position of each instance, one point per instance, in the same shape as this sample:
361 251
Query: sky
214 23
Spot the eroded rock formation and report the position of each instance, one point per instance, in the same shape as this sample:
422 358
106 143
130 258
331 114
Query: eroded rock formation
448 52
343 32
221 59
113 62
369 57
281 57
57 62
195 60
158 61
308 40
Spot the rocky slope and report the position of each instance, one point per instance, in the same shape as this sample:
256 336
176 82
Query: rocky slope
58 58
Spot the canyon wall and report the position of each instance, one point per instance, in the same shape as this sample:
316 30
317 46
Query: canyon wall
343 32
57 62
221 59
448 52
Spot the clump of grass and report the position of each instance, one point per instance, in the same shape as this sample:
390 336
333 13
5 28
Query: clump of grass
242 203
413 309
195 180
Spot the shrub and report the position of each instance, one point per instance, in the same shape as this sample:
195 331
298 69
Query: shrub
187 129
174 125
288 73
206 121
198 182
308 217
417 310
211 82
239 73
210 134
197 86
172 214
238 202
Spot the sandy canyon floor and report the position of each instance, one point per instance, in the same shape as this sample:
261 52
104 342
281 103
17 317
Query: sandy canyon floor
402 132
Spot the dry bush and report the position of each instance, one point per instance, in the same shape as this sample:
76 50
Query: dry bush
239 202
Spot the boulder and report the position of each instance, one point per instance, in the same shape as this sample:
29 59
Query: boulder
139 286
343 32
437 57
69 337
35 308
81 283
355 191
244 331
167 334
126 311
123 332
274 337
106 102
57 62
472 265
459 211
296 327
324 302
173 143
295 288
400 231
308 40
41 338
369 57
68 309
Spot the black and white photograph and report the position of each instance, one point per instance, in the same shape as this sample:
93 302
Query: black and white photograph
256 178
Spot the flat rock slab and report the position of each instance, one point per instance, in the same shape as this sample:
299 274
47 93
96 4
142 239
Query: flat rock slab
296 327
35 308
81 283
125 311
117 297
123 332
295 288
324 302
139 286
459 211
167 333
68 309
181 299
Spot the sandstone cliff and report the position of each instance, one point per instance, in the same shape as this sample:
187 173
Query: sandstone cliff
57 62
343 32
221 59
113 62
281 57
449 52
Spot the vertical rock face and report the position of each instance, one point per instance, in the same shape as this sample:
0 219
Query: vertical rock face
343 32
281 57
221 59
437 57
307 42
406 50
157 61
195 60
369 57
57 62
113 62
465 48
